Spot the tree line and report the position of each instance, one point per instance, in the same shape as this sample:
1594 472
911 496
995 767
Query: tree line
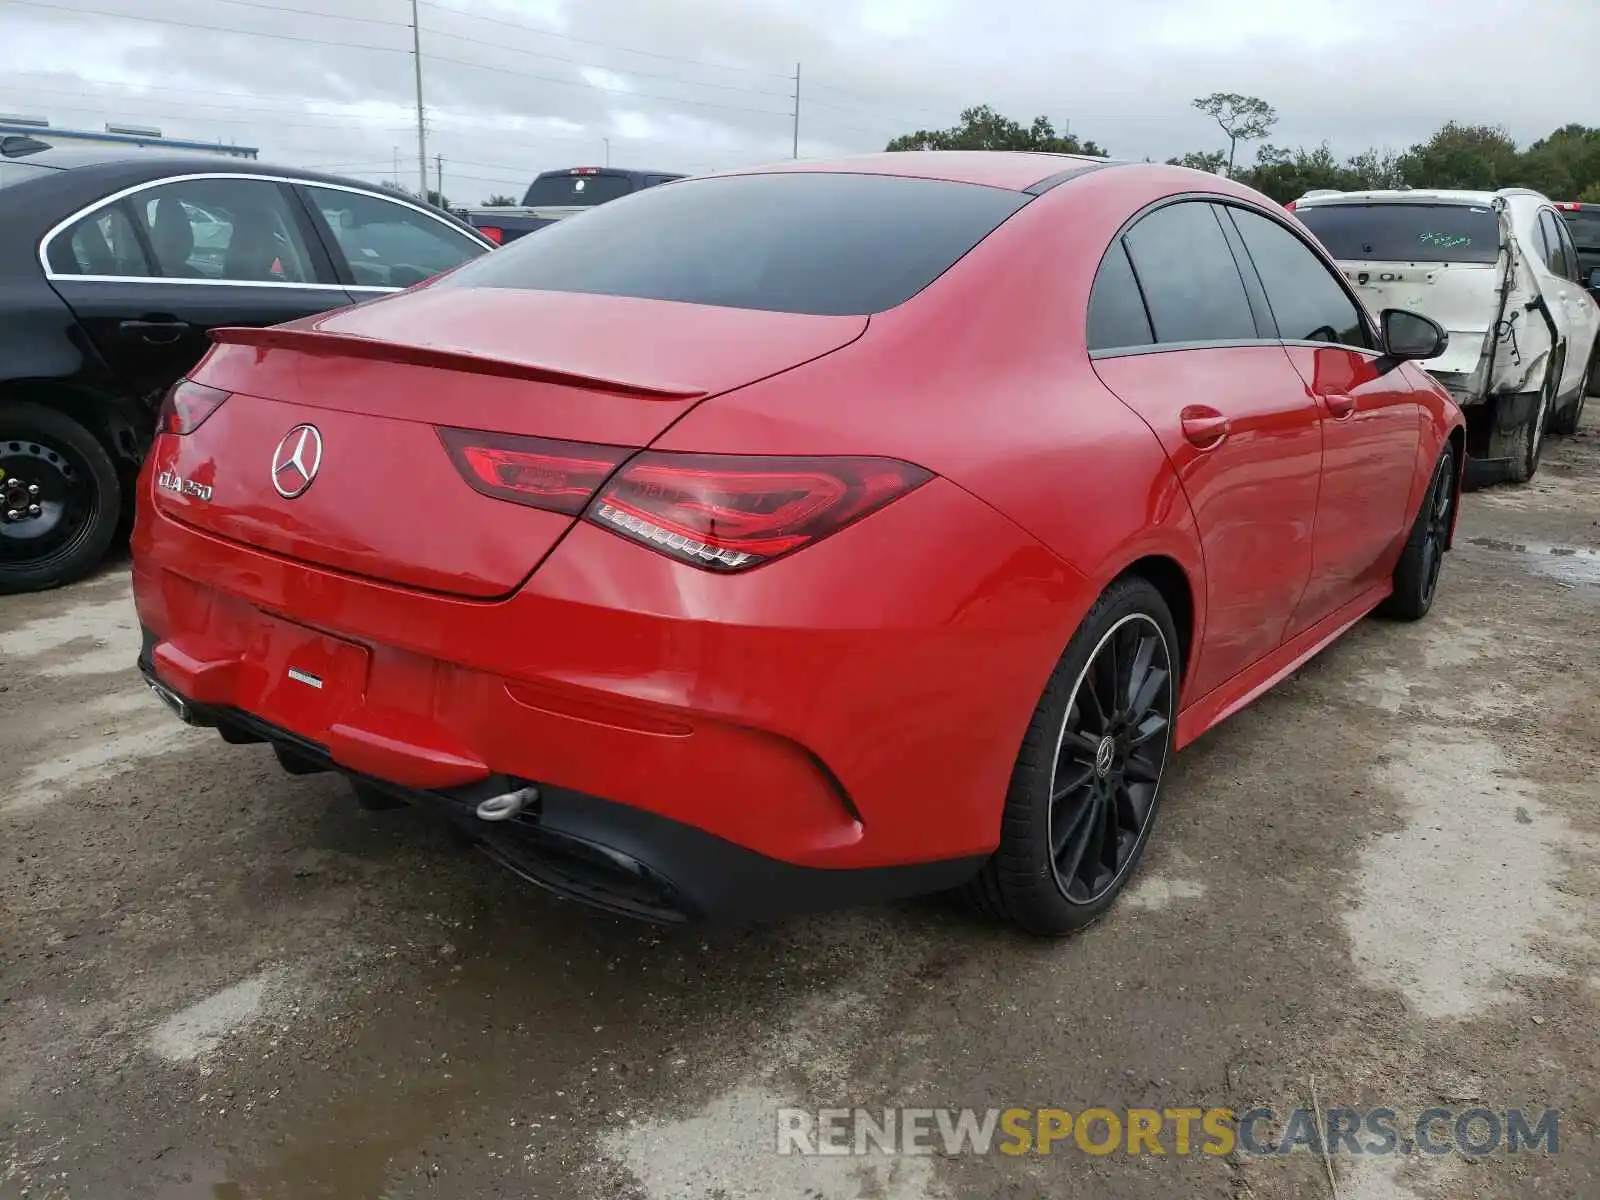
1565 165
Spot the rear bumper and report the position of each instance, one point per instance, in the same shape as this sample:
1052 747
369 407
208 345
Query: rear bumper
599 853
837 726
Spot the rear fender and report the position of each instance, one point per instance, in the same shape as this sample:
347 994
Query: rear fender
1516 358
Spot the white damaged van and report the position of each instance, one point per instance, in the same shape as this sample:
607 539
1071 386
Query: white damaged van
1499 272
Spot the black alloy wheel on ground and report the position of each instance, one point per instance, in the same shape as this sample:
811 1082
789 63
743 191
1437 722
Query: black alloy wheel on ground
1416 575
60 499
1087 783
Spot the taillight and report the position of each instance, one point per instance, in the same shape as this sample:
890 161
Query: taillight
494 233
1289 206
729 513
187 406
539 472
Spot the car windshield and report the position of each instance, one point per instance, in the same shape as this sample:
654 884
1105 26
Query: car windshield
21 172
1584 226
564 188
800 242
1457 233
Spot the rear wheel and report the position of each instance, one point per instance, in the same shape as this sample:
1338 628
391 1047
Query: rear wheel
1416 575
1524 445
60 499
1087 781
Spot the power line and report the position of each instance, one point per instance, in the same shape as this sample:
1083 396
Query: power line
273 112
283 37
601 88
309 12
566 37
729 87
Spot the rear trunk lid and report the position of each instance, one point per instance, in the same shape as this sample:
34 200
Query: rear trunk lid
1462 297
377 382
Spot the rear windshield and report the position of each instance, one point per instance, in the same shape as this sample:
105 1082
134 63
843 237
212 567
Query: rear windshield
803 242
1405 232
19 172
564 188
1584 226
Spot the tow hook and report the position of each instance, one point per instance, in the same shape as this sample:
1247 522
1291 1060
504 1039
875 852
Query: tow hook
507 805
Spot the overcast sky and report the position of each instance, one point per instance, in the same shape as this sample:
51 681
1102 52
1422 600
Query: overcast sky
520 86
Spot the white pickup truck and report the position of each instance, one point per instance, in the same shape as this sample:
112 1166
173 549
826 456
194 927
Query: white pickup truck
1498 270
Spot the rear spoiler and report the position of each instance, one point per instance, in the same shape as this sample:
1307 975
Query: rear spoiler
343 345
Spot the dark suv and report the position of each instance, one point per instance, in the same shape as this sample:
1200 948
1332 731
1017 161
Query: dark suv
114 267
1583 222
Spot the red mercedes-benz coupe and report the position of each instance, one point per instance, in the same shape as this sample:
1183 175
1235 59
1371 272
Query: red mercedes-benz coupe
802 535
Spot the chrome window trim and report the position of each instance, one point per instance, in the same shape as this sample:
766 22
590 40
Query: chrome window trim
107 201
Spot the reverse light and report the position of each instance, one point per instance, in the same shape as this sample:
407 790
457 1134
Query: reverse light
557 476
187 405
728 513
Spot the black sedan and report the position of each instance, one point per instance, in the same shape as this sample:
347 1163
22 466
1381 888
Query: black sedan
113 268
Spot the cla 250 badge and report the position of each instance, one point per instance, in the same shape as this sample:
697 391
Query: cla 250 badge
178 485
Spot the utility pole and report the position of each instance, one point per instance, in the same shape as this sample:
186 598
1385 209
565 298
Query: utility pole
797 110
394 175
422 125
607 141
438 160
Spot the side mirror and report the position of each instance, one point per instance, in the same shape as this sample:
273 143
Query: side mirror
1409 335
1594 279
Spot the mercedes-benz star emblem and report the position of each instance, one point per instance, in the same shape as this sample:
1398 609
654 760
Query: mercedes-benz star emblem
1105 756
295 464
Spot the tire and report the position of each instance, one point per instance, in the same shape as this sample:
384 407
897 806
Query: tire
52 463
1524 445
1591 384
1026 882
1416 575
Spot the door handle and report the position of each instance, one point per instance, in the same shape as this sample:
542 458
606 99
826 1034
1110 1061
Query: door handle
159 332
1339 405
1204 426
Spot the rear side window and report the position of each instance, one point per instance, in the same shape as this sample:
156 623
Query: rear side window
800 242
1191 282
1307 301
1117 319
1571 251
103 243
1554 248
1465 233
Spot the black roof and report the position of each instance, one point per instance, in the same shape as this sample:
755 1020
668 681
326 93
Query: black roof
79 172
137 163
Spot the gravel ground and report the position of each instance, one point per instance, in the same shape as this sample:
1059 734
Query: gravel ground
220 981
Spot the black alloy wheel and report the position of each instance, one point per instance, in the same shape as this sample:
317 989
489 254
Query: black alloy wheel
1089 773
1109 758
1436 524
1416 575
